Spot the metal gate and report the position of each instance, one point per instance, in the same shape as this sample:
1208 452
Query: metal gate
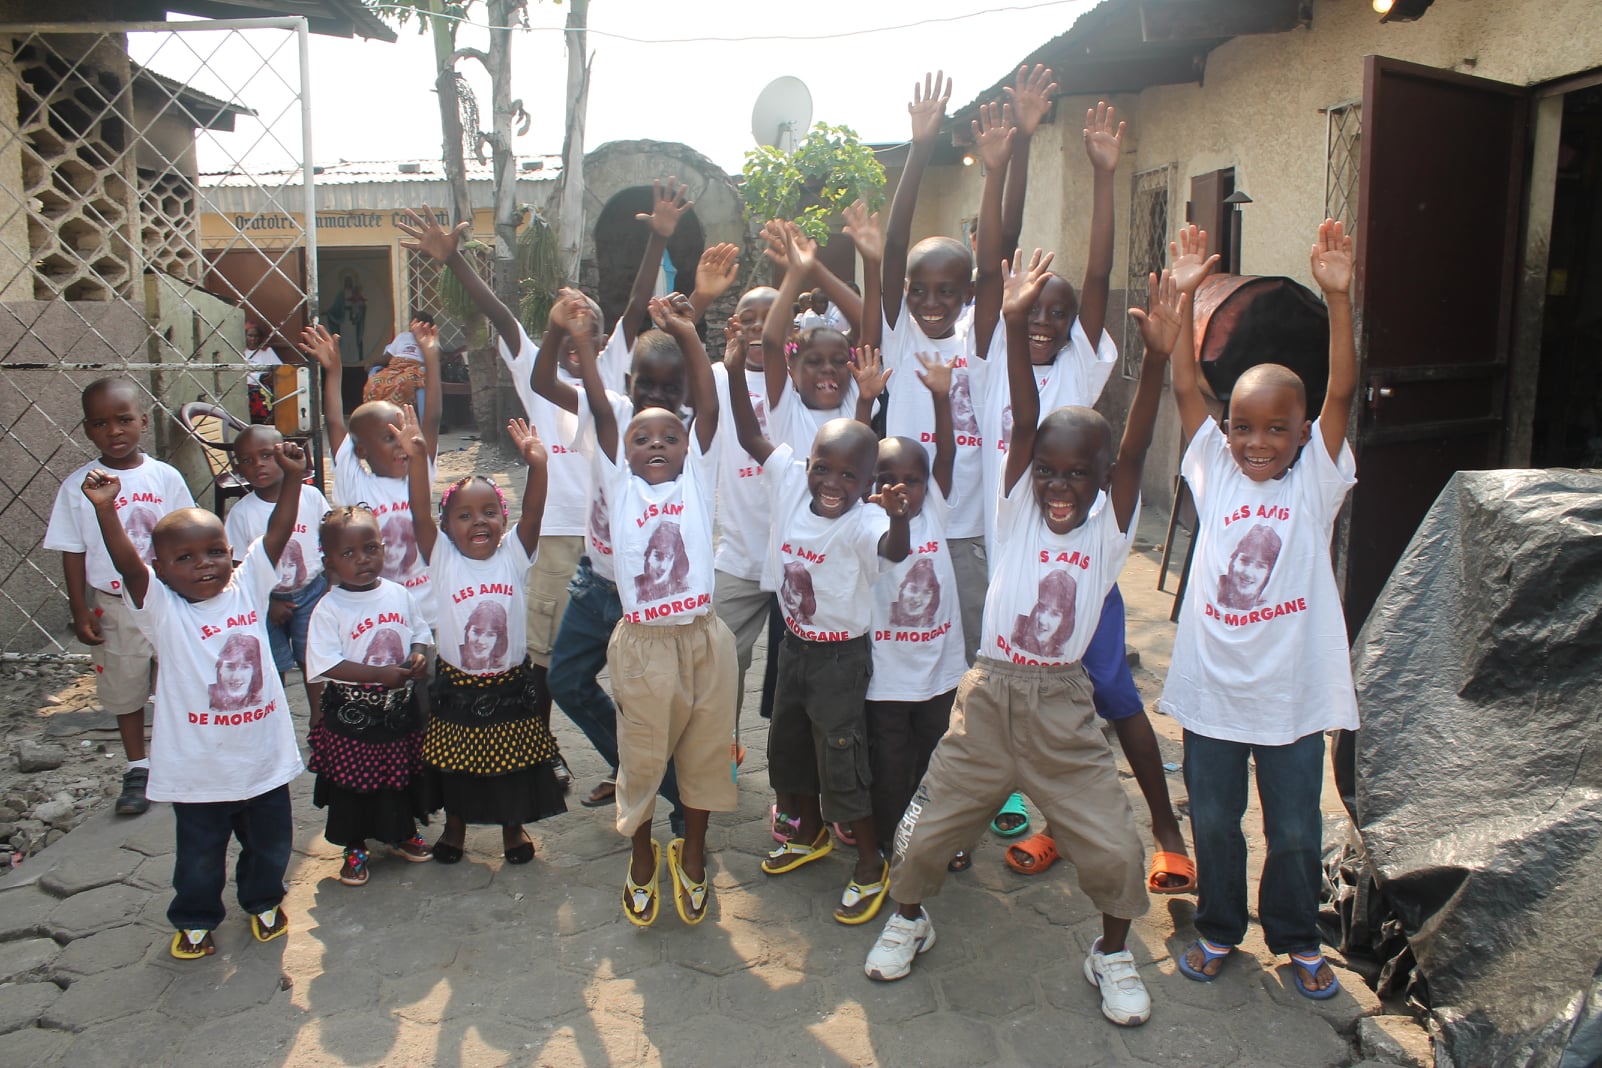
108 135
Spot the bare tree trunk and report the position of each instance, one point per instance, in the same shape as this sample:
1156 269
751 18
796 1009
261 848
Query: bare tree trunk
450 111
570 220
505 165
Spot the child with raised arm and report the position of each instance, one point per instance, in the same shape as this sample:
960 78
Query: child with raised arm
671 659
114 420
1025 706
300 572
369 461
1263 682
225 760
917 630
824 554
925 298
656 380
489 758
1069 370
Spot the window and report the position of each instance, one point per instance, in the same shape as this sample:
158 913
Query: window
1343 151
1148 247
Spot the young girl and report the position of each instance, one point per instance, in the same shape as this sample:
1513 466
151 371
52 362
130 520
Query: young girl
489 757
366 734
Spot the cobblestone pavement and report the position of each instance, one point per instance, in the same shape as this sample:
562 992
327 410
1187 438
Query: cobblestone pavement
488 964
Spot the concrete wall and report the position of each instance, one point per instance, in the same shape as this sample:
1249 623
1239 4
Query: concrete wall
1259 111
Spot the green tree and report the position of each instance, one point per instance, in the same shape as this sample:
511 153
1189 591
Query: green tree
828 170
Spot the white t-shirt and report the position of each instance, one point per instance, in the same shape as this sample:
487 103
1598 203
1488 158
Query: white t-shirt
917 624
1076 376
911 412
831 317
222 730
302 561
482 624
792 423
598 521
1261 654
1046 589
404 347
823 569
567 494
663 539
742 499
149 492
391 502
377 626
264 357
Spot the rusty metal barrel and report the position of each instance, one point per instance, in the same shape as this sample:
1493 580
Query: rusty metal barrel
1243 320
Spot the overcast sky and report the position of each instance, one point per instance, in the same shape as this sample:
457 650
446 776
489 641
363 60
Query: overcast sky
374 101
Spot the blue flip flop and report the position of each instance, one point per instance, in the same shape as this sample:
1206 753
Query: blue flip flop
1013 807
1210 952
1304 966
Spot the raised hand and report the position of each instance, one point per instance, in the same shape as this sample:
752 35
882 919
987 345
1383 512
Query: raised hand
1031 98
101 487
1332 260
1021 288
935 373
424 234
1161 323
869 371
866 231
527 440
672 313
410 434
668 205
992 134
427 335
800 251
772 235
928 107
1104 136
292 461
1188 259
733 344
893 499
715 271
320 345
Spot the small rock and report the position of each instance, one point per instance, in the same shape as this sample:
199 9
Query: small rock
1396 1040
7 829
56 834
52 700
32 756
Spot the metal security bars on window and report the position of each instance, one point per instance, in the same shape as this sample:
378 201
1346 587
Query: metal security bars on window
1148 246
1343 152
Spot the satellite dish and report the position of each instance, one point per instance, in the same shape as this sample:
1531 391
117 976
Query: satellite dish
782 113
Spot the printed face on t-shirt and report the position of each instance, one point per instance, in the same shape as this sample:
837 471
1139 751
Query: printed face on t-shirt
353 550
1250 565
667 565
917 598
140 523
1046 629
1050 318
796 593
386 648
292 567
485 638
821 368
239 675
400 545
963 419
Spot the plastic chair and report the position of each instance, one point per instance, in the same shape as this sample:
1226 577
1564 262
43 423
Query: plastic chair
214 428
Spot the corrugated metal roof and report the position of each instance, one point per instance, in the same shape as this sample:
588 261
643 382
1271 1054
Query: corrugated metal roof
368 186
368 172
336 18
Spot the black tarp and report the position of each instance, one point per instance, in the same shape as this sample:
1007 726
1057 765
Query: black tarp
1479 765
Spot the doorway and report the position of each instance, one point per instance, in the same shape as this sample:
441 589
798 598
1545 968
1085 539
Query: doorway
620 241
1567 427
358 303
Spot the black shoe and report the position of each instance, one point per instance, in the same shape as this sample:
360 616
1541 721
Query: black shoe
132 801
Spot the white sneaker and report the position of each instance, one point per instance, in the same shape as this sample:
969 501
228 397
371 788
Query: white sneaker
1124 1000
899 943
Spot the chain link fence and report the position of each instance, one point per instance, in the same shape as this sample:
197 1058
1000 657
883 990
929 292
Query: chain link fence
104 130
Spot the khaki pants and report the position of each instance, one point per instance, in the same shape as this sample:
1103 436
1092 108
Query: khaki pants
973 581
674 687
125 661
742 604
547 592
1018 727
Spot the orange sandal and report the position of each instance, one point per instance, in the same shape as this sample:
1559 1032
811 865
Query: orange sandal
1164 863
1033 855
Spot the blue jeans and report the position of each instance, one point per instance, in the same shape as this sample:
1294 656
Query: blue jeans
577 657
1107 664
289 640
265 832
1290 779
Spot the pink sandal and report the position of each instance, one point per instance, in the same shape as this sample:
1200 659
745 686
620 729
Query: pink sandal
777 819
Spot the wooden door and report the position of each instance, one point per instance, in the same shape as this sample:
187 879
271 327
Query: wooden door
1440 183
